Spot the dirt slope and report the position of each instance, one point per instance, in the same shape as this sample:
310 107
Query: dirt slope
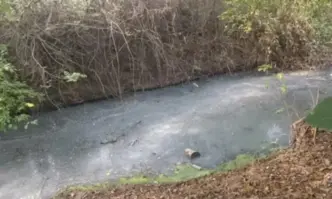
298 172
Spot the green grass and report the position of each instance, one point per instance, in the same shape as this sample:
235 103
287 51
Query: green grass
186 172
181 173
239 162
321 116
83 188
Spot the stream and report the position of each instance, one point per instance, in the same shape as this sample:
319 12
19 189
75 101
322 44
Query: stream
220 117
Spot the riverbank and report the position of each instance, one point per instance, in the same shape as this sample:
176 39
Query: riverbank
301 171
89 51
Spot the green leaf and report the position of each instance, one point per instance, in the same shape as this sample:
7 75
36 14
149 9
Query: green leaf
264 68
30 105
280 110
73 77
283 89
280 76
321 116
34 122
16 96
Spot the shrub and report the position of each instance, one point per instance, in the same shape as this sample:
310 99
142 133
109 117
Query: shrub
120 45
16 97
320 16
128 45
286 34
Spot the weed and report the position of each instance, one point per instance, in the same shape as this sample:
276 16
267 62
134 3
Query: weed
16 97
181 173
283 33
240 161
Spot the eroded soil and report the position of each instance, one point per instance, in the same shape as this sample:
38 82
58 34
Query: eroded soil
302 171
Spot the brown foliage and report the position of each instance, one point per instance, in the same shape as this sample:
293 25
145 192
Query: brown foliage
125 45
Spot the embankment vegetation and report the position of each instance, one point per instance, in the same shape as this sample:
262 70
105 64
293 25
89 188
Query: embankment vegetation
73 51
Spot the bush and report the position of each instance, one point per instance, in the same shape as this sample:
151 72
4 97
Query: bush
121 46
320 16
128 45
16 97
286 34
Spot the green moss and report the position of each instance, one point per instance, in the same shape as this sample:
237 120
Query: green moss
239 162
187 172
83 188
93 187
181 173
139 179
321 116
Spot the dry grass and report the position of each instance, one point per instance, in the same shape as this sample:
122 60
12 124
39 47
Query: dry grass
126 45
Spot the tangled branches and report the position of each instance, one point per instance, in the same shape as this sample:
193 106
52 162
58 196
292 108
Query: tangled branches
123 45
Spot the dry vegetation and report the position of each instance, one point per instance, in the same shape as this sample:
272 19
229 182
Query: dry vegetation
119 45
127 45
